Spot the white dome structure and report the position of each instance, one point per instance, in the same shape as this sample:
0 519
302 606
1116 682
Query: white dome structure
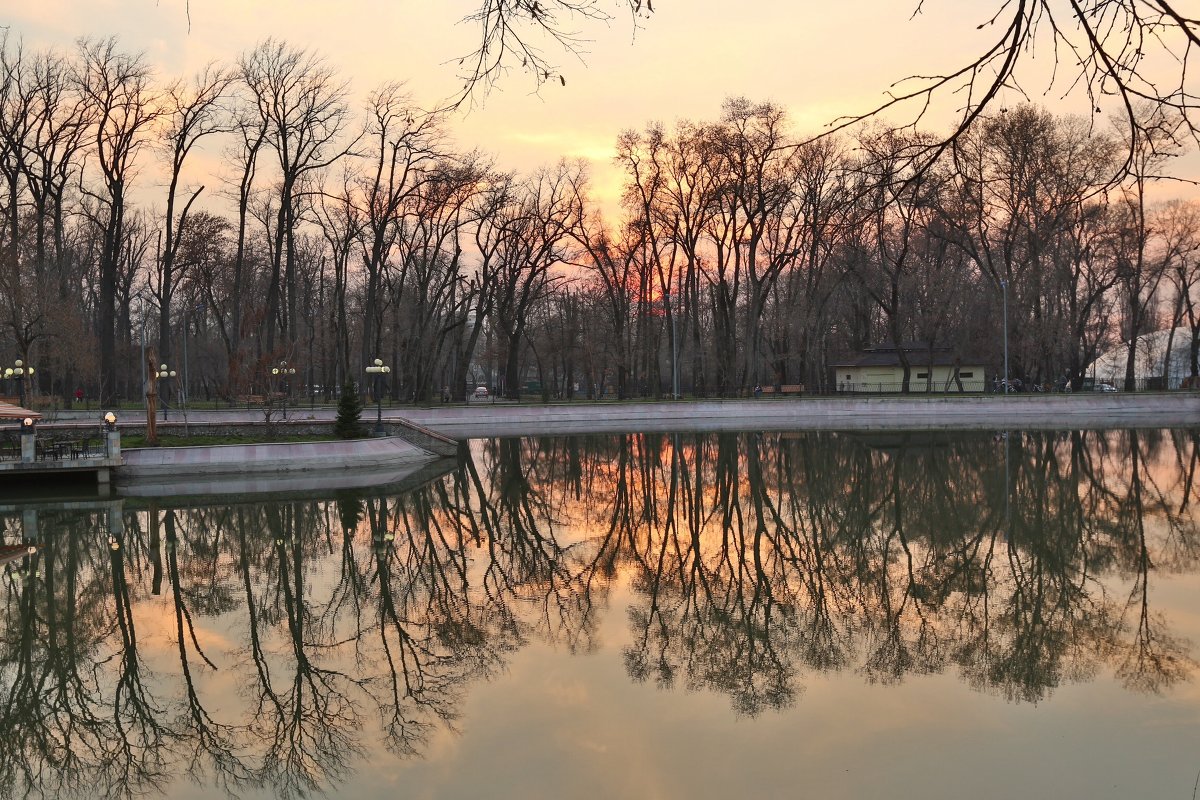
1149 359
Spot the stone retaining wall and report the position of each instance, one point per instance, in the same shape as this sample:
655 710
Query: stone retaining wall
399 428
274 458
988 412
1090 410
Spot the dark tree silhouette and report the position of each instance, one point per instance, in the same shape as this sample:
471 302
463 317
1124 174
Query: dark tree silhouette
1103 48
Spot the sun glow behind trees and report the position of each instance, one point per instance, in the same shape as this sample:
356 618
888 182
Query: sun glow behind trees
286 234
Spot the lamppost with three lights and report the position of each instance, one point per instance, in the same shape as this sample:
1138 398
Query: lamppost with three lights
283 371
19 371
378 369
163 374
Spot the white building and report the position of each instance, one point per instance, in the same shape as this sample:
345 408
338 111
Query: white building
878 370
1150 355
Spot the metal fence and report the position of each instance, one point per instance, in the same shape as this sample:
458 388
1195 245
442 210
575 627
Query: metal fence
68 447
919 386
915 386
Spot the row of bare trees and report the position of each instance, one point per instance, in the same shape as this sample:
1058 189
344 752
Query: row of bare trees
779 254
742 254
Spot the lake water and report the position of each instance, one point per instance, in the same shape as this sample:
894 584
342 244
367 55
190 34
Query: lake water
647 616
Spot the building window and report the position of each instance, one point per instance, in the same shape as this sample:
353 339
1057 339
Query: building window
848 377
966 374
922 374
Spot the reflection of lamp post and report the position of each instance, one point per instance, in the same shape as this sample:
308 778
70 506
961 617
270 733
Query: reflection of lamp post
163 374
378 369
282 372
18 371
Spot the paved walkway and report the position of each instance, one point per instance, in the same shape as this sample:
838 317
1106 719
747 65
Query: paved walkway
817 413
891 413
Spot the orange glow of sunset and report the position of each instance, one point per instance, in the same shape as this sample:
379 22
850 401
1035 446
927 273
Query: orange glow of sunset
819 60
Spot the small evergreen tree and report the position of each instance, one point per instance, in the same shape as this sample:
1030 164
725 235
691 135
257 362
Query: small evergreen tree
349 417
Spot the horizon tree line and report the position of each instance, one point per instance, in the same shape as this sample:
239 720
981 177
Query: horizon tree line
743 254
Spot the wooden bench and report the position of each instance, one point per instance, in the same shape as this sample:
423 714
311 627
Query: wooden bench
261 399
787 388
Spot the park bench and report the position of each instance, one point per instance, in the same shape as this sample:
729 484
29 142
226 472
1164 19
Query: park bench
260 399
787 388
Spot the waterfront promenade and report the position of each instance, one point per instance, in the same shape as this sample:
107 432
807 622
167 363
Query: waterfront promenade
500 418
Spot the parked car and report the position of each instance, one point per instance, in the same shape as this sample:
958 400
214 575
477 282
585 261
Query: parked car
1104 387
481 392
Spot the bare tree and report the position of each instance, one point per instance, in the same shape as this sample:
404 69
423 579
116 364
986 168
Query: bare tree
898 205
404 144
301 102
518 30
1180 226
118 85
250 136
193 111
341 222
534 241
1139 272
1106 48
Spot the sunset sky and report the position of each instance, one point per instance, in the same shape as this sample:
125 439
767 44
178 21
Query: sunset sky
820 60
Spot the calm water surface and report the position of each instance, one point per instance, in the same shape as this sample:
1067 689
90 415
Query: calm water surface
659 616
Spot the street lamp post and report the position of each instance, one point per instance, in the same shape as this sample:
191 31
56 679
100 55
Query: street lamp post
19 371
283 371
1004 288
674 347
455 382
378 369
145 361
163 374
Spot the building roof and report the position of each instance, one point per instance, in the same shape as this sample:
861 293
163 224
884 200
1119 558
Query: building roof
15 552
892 359
888 346
886 354
11 411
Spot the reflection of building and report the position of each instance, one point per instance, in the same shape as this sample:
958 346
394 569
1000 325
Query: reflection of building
15 552
931 369
1149 359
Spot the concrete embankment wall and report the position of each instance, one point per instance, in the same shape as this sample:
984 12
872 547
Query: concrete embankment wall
212 425
851 413
203 462
431 426
325 481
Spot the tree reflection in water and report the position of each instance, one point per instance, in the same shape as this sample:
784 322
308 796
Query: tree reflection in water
296 626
